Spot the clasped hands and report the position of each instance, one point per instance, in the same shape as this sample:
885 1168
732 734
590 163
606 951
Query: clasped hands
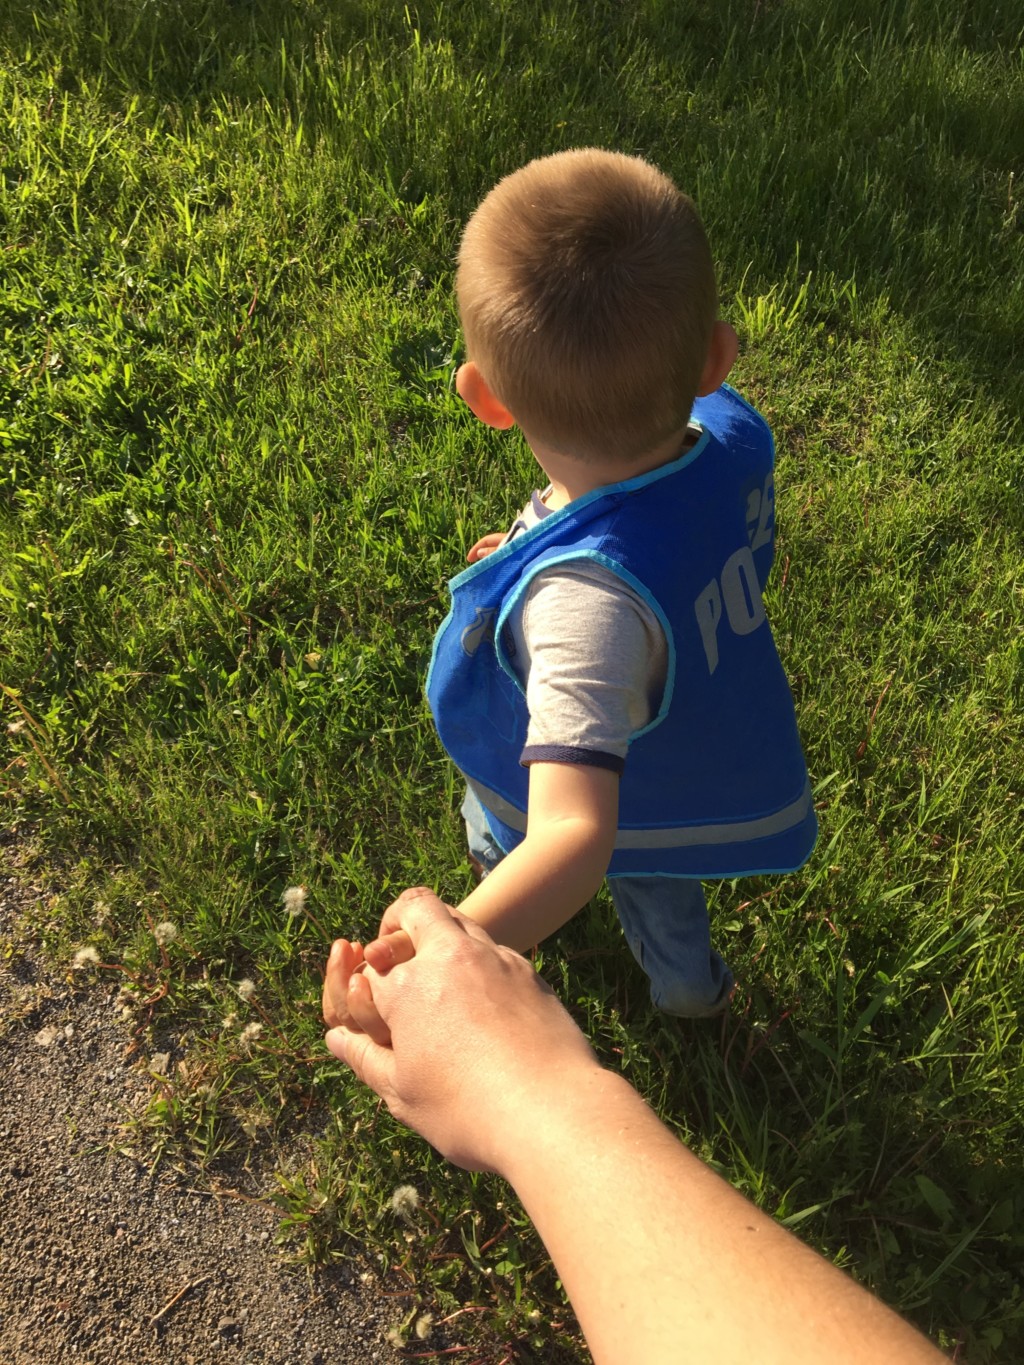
458 1035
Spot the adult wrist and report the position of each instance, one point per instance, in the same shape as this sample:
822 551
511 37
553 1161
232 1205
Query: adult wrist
553 1114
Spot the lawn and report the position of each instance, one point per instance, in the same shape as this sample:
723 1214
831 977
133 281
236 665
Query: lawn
235 478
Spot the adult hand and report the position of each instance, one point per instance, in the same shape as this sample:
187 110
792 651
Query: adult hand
477 1042
487 1065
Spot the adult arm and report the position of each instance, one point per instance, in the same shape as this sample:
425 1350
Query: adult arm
661 1259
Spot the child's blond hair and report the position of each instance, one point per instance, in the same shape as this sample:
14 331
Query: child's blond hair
587 296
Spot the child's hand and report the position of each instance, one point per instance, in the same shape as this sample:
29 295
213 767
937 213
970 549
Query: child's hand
392 947
344 958
485 546
348 993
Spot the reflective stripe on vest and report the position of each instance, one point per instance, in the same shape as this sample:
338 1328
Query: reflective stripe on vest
682 836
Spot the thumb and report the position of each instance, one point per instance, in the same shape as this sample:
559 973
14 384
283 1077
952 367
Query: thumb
373 1064
417 911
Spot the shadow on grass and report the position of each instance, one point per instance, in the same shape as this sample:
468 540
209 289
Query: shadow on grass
880 149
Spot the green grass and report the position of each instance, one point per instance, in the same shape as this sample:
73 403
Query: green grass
234 480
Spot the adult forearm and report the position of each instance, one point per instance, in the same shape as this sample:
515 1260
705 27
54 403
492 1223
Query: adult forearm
662 1260
665 1262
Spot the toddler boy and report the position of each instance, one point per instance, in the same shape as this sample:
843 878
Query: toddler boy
606 680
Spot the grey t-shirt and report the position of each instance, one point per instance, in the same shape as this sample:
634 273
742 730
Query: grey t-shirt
592 658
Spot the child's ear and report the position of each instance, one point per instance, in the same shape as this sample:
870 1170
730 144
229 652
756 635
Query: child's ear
722 353
474 391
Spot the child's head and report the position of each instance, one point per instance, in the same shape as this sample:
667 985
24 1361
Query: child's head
587 296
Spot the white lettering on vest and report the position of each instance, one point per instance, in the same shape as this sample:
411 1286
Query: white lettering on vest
761 514
737 587
708 607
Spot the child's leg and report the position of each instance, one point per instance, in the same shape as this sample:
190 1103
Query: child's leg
483 847
665 920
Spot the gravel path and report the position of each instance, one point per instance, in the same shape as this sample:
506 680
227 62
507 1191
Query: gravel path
100 1261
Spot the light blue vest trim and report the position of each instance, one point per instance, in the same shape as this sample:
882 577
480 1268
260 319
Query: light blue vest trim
721 790
573 509
641 590
578 505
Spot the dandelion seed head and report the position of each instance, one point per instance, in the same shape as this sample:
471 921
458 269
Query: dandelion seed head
15 727
246 989
165 933
294 900
424 1326
405 1201
85 957
229 1021
249 1035
395 1337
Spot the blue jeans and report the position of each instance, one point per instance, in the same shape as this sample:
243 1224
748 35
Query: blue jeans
665 920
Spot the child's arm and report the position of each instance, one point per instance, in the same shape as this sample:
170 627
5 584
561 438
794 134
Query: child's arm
570 833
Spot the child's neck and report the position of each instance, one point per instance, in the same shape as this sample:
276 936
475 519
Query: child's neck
572 478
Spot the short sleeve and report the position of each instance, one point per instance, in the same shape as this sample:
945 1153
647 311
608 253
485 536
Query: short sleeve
592 657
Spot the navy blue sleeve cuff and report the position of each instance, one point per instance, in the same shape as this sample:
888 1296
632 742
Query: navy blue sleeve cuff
564 753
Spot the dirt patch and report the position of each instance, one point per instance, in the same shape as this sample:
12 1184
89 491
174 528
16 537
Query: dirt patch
100 1259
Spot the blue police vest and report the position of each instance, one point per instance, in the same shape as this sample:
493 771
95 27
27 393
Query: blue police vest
715 785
